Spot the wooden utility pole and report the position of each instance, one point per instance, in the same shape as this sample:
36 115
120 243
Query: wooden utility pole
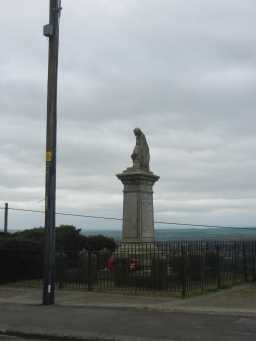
6 217
52 32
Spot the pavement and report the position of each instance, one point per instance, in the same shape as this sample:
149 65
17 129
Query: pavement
15 338
80 315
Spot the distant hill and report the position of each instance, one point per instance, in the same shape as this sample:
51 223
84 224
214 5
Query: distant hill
188 233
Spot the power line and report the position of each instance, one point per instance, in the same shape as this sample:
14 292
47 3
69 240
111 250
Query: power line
120 219
201 225
64 214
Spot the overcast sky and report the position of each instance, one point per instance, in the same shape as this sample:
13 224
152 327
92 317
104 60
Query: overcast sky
183 71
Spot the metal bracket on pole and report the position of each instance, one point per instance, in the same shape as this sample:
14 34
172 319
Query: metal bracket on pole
59 8
48 30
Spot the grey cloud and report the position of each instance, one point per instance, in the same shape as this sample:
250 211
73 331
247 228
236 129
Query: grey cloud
182 71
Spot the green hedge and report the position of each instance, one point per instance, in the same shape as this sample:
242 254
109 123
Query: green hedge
20 260
21 254
121 274
159 273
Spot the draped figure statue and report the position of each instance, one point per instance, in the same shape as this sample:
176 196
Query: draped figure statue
140 155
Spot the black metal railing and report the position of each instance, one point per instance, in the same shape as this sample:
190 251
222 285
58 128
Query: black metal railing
179 267
182 267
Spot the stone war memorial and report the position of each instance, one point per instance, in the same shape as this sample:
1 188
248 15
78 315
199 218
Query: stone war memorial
138 211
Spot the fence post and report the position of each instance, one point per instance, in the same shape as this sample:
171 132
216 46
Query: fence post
218 267
89 270
254 261
202 266
245 263
183 272
234 263
6 217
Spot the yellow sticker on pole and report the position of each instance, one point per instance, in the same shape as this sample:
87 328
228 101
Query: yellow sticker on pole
48 156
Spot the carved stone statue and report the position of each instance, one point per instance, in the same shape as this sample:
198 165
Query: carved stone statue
140 155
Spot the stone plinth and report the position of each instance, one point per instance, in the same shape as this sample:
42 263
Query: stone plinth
144 252
138 212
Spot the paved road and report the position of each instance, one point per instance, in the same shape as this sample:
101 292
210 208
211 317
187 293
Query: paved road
126 324
14 338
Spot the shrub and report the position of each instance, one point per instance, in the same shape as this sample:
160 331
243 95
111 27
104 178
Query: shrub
21 254
20 260
68 237
99 242
87 268
103 257
159 273
61 268
121 274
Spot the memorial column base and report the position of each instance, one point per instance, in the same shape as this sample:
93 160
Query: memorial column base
138 212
